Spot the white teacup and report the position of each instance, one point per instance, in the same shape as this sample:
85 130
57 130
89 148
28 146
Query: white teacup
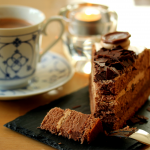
19 47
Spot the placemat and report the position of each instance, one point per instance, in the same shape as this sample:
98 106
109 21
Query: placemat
28 125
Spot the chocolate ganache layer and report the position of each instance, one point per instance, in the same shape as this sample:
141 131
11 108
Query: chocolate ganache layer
110 63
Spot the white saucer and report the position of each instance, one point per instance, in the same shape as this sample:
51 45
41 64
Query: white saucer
52 72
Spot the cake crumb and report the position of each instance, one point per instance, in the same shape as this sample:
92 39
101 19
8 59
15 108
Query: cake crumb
138 119
134 120
127 128
142 118
106 133
148 109
59 143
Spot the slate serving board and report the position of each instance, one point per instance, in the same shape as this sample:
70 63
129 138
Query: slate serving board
28 123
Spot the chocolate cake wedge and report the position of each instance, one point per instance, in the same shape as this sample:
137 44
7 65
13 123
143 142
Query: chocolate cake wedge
119 83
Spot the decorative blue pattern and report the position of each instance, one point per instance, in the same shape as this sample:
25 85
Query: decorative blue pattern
57 71
16 42
15 62
17 58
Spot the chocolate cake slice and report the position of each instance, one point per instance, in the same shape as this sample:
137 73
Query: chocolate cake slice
119 83
72 124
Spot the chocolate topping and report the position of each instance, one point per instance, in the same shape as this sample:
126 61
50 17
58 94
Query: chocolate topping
110 63
115 37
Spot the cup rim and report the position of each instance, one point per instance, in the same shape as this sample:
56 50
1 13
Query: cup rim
25 27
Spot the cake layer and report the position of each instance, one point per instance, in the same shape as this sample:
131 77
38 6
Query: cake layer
123 103
114 105
111 97
50 121
116 108
72 124
113 124
73 127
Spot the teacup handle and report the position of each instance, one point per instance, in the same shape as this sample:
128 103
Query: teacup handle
58 19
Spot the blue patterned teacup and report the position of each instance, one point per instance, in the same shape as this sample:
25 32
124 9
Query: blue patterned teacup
19 47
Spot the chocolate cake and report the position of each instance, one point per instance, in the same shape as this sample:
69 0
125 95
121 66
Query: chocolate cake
72 124
120 80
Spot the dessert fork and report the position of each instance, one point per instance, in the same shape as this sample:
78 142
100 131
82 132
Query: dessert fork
139 135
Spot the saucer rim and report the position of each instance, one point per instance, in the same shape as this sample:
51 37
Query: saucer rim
17 97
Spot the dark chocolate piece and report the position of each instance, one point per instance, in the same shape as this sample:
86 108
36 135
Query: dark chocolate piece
110 73
110 63
134 120
115 37
74 107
